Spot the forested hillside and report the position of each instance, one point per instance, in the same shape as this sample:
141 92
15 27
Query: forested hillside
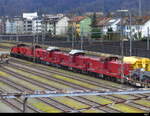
16 7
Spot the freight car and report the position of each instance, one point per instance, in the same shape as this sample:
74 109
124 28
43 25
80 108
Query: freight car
110 68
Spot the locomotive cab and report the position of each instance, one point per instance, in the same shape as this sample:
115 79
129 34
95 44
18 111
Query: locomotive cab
77 52
51 51
51 48
77 60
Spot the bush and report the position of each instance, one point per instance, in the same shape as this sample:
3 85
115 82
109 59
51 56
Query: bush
96 33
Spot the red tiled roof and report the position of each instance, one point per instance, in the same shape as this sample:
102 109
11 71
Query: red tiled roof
77 18
102 21
136 20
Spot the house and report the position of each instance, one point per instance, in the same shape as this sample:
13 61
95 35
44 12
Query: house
62 26
55 25
104 23
140 26
82 24
49 24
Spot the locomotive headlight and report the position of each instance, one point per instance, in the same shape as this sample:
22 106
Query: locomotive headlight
142 69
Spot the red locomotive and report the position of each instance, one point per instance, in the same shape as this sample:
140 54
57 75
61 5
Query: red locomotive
109 68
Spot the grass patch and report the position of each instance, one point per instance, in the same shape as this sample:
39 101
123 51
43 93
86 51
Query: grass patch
76 82
20 81
92 111
71 103
143 102
124 96
39 79
99 100
43 107
127 109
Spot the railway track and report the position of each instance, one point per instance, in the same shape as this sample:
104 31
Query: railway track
15 104
83 106
46 70
72 98
88 79
60 78
24 88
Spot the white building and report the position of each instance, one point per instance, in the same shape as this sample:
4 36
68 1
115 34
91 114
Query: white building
10 27
32 24
55 25
138 25
36 25
30 16
14 26
62 26
53 16
105 23
28 26
113 23
19 25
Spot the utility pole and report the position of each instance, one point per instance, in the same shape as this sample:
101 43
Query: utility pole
17 38
72 37
34 41
37 31
122 43
148 38
82 38
122 50
43 38
130 33
140 7
25 105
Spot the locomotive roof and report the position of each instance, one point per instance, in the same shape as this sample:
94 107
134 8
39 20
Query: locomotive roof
73 52
51 48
